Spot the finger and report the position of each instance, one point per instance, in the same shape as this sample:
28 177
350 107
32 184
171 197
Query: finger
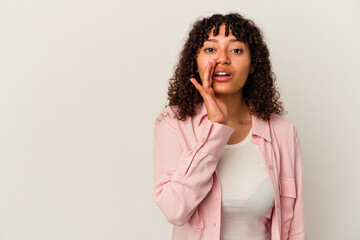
198 87
213 64
206 83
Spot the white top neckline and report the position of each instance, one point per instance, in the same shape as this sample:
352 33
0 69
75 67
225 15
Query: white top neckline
239 144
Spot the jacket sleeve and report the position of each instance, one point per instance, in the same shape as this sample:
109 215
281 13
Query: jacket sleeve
182 179
297 227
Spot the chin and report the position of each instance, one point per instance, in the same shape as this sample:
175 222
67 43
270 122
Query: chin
222 89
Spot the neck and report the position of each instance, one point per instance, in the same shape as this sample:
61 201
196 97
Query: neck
239 111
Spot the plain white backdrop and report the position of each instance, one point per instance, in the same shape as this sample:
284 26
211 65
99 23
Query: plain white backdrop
83 81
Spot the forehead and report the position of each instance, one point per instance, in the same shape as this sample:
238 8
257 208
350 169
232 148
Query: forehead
222 38
222 34
218 39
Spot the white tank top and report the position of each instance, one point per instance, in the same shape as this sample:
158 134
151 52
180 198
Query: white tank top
247 195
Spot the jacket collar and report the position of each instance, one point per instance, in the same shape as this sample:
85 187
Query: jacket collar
260 127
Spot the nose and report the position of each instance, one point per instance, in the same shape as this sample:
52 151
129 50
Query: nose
222 57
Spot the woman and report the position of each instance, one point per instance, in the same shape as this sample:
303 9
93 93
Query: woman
227 165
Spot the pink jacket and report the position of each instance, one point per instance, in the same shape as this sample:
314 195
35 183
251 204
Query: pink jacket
186 186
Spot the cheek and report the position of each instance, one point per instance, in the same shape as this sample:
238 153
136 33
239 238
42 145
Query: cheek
202 62
201 67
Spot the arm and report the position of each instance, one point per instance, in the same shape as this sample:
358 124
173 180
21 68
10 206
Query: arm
183 179
297 228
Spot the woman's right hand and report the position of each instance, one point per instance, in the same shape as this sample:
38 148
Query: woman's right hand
216 109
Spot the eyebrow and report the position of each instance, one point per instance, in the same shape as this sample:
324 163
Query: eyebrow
215 40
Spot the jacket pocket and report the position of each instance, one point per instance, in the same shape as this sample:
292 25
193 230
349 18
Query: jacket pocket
196 220
287 187
287 201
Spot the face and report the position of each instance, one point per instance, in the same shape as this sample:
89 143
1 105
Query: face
232 56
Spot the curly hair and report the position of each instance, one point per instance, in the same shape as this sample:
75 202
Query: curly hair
259 91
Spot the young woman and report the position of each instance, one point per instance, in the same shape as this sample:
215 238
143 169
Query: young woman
227 165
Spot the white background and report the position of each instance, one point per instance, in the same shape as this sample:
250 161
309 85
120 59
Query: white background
83 81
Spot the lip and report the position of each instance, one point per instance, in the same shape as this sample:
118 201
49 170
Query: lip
222 70
221 78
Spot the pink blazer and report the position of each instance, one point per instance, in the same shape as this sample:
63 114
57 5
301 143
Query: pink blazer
186 186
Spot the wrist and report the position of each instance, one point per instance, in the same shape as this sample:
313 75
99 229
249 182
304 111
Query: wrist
224 123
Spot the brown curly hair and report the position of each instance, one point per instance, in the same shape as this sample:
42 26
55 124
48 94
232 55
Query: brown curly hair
259 91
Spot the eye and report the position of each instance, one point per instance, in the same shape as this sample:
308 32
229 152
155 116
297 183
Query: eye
209 50
238 50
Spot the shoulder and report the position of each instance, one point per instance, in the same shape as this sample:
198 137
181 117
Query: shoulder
168 112
167 118
281 126
280 121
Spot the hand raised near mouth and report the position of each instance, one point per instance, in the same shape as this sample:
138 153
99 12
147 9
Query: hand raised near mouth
216 109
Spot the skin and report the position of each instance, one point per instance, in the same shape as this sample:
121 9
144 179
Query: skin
224 100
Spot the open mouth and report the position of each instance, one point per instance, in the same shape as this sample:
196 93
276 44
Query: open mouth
221 76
